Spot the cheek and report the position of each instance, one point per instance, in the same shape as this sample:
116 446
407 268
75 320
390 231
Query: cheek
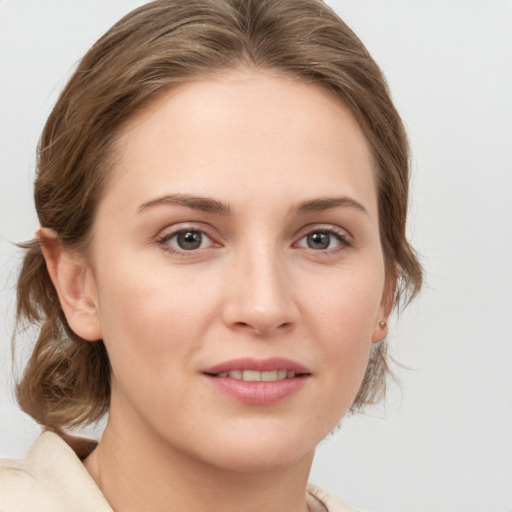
343 315
348 306
151 318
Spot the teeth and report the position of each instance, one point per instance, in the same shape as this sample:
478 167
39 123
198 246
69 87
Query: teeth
269 376
255 376
251 375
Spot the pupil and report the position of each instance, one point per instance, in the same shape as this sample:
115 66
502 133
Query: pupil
189 240
318 240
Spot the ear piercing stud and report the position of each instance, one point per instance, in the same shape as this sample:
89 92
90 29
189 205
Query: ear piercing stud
382 324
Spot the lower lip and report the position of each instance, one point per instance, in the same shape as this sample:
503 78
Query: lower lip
258 393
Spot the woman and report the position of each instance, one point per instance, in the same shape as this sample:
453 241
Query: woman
222 193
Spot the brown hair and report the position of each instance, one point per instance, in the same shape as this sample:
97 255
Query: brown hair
163 43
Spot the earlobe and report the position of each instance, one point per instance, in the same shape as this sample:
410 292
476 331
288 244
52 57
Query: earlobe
380 331
381 327
74 282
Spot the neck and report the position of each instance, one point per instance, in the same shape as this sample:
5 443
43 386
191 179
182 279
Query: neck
141 472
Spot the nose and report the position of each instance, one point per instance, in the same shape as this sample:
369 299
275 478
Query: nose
260 297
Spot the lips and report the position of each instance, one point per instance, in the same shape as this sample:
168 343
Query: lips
256 376
258 381
257 365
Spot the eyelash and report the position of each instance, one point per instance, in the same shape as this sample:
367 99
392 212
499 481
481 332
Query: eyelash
345 241
164 240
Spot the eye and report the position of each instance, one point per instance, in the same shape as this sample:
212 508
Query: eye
185 240
324 240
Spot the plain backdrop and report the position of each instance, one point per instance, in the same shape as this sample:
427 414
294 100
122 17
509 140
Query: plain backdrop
442 442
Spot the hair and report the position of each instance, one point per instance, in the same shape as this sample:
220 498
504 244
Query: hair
162 44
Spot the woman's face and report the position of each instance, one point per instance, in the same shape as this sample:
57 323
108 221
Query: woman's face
237 243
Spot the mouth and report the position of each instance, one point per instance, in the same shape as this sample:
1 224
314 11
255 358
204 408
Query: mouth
251 369
256 376
257 381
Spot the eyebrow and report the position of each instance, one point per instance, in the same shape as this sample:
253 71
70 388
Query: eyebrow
209 205
326 203
204 204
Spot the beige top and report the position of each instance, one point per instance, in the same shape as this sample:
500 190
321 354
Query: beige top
52 478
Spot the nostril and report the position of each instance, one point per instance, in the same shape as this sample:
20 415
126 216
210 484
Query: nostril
259 317
242 325
262 328
284 326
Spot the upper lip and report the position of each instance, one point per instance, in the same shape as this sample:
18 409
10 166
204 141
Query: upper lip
260 365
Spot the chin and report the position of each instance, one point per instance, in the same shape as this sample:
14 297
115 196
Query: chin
262 450
262 461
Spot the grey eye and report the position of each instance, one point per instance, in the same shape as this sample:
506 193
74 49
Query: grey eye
318 240
189 240
323 239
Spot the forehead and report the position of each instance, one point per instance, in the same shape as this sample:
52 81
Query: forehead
243 131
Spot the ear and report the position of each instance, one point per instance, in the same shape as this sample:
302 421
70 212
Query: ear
75 285
381 327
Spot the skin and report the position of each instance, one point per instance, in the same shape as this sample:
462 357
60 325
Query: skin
261 144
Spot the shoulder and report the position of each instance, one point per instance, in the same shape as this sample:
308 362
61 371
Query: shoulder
50 477
330 501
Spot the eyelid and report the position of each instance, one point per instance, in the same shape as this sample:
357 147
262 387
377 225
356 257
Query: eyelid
168 233
164 235
333 228
346 239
